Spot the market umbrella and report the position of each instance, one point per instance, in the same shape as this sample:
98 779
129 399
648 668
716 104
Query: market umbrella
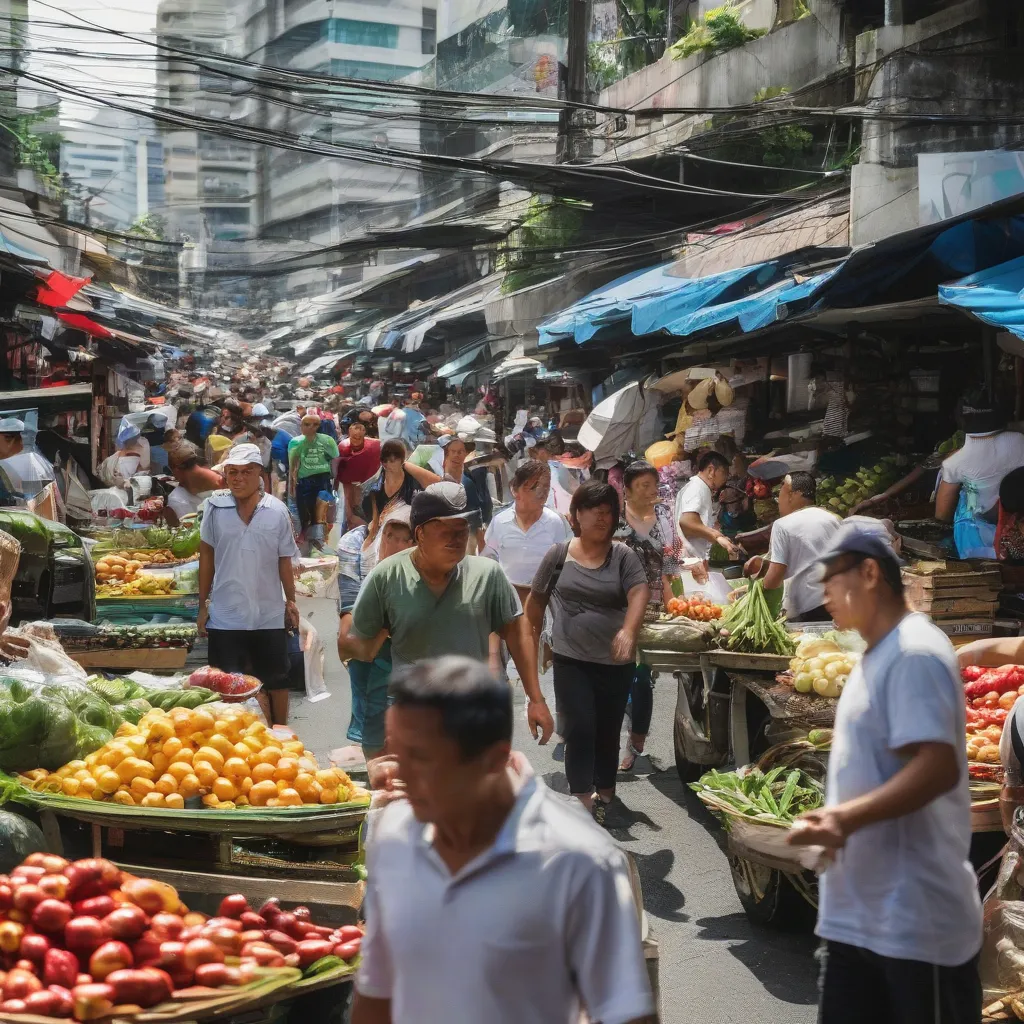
616 425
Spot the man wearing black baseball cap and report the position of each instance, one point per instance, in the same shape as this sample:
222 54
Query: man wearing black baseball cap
898 910
434 600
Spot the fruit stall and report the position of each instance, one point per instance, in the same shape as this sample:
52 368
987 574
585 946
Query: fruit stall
197 864
145 571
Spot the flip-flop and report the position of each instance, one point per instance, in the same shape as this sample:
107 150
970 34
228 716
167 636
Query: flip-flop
631 756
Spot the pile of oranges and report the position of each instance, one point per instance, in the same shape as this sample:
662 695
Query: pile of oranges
229 758
698 607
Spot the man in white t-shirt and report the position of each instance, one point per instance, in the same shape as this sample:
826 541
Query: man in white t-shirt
798 539
898 910
697 509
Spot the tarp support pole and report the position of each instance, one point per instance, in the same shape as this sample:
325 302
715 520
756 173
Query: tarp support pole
988 350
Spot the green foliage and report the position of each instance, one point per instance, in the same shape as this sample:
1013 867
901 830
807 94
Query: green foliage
783 144
720 29
770 92
603 66
532 252
150 226
40 152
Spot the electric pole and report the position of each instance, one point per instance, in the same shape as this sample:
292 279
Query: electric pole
570 118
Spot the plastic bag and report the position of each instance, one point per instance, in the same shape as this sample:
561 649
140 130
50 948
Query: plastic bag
313 656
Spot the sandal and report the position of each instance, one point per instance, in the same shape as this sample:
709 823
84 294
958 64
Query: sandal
599 811
630 759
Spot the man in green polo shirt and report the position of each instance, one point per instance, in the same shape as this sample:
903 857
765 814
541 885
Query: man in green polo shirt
434 600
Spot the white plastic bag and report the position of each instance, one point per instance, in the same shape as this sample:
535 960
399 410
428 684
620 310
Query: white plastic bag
313 656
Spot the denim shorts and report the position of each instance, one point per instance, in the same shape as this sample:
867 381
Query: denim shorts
348 591
369 682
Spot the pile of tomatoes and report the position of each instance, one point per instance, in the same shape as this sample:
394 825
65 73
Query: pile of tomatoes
698 607
84 939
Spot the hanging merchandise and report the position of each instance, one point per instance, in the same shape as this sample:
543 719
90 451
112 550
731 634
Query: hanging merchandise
698 398
723 391
662 453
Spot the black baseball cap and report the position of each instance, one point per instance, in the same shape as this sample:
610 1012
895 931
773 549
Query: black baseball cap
861 538
444 500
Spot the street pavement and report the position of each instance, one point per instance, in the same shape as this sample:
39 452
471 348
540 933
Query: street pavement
715 966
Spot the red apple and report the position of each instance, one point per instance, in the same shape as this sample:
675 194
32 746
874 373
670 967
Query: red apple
169 926
217 975
144 987
202 951
84 935
233 906
60 967
34 948
18 984
55 886
92 1001
95 906
51 916
110 957
27 897
127 923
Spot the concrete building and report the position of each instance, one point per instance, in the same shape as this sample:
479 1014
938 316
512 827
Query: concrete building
114 163
208 179
322 200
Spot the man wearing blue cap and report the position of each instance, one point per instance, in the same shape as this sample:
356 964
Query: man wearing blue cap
899 911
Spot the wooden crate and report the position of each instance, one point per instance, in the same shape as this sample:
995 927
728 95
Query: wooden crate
134 658
953 590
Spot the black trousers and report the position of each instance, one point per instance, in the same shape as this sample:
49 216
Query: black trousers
262 653
591 701
858 986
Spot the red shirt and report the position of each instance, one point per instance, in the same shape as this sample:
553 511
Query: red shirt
358 467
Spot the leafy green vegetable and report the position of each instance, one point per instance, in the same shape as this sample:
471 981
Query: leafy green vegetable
750 625
90 738
133 710
775 797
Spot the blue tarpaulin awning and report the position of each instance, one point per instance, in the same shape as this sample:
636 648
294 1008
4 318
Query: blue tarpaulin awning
995 296
647 300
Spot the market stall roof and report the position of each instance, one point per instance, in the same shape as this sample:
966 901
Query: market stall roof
331 359
24 237
407 330
647 301
462 360
71 396
995 296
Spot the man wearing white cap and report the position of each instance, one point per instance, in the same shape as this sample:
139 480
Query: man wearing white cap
246 585
22 474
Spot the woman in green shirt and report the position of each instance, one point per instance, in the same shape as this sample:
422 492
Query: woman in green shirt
309 467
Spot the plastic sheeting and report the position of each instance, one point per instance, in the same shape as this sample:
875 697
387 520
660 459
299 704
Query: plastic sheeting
995 296
648 299
621 423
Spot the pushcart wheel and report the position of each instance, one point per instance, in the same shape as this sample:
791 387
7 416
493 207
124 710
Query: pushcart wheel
769 897
689 771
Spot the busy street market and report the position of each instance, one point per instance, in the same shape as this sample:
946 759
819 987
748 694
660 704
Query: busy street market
511 511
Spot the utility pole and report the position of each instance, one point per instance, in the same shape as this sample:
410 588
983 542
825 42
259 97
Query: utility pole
569 119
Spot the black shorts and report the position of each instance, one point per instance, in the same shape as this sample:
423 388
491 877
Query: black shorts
262 653
857 985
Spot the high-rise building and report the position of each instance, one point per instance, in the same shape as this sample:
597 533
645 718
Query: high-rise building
321 199
114 165
208 178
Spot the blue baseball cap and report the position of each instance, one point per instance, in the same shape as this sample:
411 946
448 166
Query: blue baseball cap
861 537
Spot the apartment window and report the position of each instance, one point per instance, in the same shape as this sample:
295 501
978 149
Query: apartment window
428 34
184 175
183 150
363 33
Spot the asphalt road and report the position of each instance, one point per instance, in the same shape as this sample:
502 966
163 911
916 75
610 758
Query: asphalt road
715 966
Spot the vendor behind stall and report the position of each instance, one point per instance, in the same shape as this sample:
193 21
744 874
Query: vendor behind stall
23 474
799 536
696 512
968 490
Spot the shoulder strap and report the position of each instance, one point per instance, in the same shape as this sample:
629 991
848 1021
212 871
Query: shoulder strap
563 553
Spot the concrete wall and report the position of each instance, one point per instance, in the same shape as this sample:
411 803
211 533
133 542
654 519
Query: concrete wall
962 60
793 56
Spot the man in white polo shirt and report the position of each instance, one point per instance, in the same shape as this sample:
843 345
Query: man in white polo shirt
246 584
489 897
